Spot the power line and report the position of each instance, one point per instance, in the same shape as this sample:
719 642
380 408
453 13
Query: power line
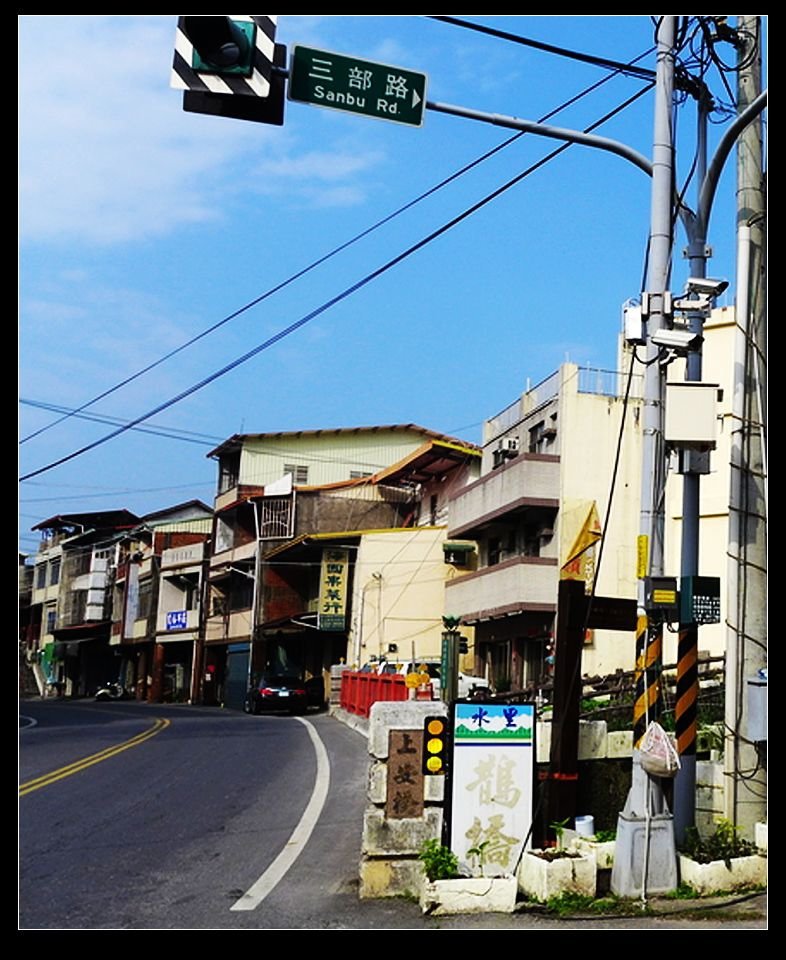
332 253
170 432
347 292
280 286
625 68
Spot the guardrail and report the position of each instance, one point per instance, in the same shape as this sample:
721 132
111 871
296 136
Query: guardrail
359 691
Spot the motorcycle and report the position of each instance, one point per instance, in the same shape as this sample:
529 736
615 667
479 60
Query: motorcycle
112 691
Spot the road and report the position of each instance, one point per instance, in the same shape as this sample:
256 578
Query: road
149 817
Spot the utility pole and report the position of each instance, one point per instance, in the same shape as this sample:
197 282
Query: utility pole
645 855
692 464
745 744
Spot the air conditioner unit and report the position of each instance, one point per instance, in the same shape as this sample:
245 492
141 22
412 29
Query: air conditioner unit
511 444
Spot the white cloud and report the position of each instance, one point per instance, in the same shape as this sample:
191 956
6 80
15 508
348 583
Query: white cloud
106 153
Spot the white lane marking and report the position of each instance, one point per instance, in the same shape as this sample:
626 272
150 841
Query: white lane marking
297 841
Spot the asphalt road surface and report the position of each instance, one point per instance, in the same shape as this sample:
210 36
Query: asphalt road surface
148 817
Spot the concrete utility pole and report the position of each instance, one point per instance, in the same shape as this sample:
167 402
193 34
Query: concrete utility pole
645 854
746 645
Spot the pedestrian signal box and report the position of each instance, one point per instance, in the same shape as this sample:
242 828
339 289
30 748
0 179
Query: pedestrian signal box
436 743
700 600
661 598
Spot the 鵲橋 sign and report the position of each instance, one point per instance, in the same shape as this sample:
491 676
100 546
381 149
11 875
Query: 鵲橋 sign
492 784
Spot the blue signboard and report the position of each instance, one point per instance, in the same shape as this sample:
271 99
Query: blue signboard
177 620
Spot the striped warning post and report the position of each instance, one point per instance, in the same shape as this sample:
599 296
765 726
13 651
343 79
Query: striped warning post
649 651
685 707
184 77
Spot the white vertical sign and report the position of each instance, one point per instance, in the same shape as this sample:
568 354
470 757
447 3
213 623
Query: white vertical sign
492 785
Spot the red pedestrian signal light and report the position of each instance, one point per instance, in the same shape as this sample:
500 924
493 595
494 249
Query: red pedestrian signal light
435 746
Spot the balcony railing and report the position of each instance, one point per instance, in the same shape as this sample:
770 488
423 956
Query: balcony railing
606 383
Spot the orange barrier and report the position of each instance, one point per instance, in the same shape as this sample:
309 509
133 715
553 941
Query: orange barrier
360 690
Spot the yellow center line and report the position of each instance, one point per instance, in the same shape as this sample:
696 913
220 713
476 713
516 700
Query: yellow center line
71 768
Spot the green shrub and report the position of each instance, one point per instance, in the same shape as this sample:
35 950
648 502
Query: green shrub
439 862
724 844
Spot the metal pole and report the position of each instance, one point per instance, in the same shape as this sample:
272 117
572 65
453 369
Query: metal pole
636 868
691 467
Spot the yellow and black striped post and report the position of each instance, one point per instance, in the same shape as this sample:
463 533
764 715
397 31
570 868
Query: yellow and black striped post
647 696
685 707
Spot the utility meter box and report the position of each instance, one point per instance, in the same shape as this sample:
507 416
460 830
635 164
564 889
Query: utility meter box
757 707
691 417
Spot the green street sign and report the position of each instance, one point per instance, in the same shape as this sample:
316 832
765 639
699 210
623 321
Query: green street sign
357 86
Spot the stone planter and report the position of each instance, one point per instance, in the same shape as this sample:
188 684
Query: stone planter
601 850
716 877
469 895
542 876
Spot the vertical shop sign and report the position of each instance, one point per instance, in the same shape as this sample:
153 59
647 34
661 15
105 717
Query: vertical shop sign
333 590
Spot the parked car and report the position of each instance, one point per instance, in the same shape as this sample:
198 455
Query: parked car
467 684
273 692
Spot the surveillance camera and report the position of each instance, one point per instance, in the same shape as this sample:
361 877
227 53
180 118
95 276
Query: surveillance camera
706 286
680 340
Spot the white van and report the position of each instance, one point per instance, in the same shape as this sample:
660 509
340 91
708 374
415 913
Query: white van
466 683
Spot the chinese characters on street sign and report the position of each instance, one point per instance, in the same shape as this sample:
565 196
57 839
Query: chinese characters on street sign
357 86
493 782
405 776
333 589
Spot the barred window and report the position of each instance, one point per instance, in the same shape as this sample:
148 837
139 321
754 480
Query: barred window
299 472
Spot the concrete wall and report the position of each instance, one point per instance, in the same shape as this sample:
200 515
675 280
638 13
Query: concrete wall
398 595
389 865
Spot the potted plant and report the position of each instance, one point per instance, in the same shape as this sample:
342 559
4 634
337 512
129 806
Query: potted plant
446 891
722 862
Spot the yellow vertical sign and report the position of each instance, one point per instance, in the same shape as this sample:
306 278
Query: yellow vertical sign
333 589
642 555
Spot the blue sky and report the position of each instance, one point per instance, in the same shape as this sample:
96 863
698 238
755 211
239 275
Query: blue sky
141 226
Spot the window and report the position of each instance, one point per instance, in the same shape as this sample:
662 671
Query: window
358 474
54 572
541 435
276 518
299 472
228 472
191 594
40 576
241 592
77 606
145 599
51 621
536 438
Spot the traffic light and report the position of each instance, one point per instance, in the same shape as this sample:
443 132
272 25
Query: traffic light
221 45
435 746
230 67
463 645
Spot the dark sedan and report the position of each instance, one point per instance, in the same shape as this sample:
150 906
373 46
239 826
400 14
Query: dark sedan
277 693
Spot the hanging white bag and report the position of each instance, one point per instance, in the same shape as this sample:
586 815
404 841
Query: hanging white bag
659 756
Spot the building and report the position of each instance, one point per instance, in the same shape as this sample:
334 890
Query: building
71 600
291 514
535 516
158 582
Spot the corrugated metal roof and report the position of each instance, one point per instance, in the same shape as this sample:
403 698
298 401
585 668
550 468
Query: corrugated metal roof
238 439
